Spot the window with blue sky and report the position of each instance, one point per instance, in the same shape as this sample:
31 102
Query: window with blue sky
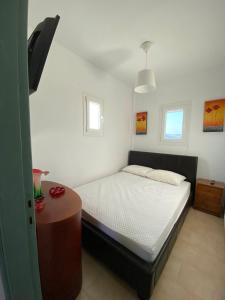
174 124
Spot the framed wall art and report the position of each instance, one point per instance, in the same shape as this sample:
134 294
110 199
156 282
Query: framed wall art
214 115
141 122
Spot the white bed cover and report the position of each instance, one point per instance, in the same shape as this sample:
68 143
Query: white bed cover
137 212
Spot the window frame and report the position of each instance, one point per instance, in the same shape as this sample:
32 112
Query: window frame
89 131
186 108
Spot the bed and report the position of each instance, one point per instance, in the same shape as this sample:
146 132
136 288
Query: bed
130 222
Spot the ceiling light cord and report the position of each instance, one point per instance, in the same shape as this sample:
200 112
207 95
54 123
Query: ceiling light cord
146 77
147 58
146 46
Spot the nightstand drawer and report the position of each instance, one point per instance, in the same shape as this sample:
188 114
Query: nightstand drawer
209 198
208 202
214 192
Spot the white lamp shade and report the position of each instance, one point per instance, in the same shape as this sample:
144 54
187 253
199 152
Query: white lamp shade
145 81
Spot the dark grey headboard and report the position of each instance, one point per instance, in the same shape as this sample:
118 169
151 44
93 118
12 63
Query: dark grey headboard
182 164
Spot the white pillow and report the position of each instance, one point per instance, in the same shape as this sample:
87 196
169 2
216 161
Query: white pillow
166 176
137 170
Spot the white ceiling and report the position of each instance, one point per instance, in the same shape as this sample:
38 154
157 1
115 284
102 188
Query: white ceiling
189 35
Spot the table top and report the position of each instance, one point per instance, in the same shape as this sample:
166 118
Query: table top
60 208
217 184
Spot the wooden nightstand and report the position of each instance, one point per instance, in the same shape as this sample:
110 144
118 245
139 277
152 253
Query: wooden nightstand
209 197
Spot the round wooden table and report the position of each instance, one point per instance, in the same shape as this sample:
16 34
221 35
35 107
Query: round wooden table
59 244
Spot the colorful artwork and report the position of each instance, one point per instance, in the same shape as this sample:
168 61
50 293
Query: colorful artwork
141 123
214 115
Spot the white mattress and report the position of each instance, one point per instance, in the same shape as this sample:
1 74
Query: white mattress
137 212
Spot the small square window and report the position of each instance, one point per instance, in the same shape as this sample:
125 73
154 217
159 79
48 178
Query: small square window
175 123
93 116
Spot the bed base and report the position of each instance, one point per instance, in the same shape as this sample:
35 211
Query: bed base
139 274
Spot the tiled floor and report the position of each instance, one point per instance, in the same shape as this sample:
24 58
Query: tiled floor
194 271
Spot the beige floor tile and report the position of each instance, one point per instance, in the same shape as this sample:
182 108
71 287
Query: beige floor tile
83 296
108 286
213 266
219 294
160 294
172 268
197 282
91 269
171 290
189 277
184 251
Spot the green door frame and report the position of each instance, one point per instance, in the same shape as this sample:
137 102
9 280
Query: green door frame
18 249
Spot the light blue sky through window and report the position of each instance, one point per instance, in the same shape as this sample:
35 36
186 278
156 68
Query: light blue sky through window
174 125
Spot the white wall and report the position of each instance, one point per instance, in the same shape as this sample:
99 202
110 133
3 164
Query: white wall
195 89
58 143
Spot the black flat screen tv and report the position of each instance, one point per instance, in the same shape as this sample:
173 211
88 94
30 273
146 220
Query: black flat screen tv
38 47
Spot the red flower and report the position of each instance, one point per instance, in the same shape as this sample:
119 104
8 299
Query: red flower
208 110
216 106
141 118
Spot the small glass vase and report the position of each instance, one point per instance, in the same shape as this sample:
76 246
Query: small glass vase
38 194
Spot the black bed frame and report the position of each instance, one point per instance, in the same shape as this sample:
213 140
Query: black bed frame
140 274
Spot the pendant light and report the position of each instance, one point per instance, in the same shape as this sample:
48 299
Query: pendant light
146 77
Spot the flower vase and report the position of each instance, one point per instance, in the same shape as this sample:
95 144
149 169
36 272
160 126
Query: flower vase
38 194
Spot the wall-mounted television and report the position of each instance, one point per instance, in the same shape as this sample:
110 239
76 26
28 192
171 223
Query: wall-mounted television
38 47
